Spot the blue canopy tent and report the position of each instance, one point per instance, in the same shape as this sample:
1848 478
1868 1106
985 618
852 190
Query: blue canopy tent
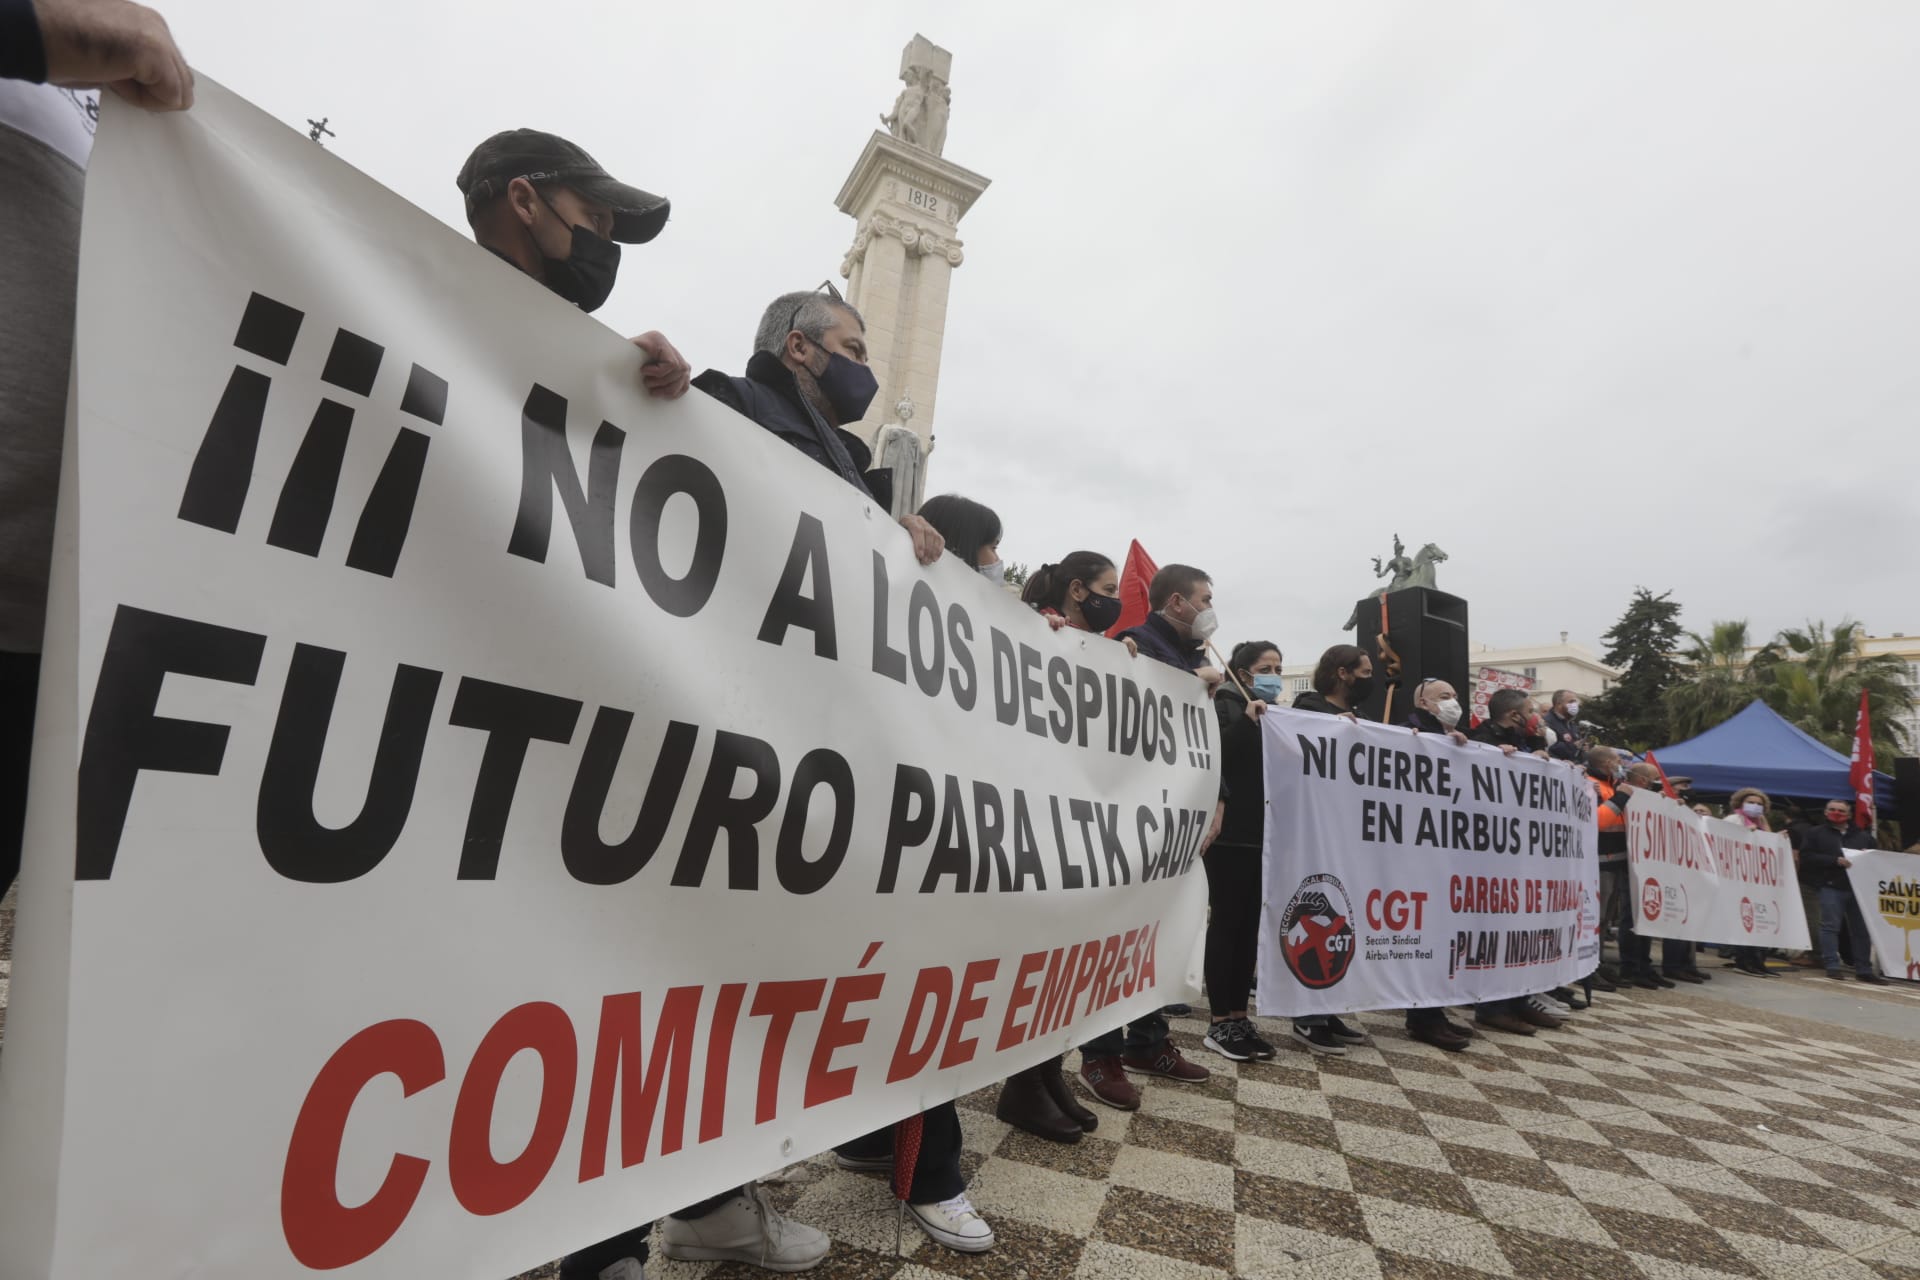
1758 749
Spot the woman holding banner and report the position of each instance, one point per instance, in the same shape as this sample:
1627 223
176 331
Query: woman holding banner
1748 807
1341 682
1082 592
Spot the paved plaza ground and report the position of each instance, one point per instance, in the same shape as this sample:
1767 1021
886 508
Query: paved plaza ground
1661 1134
1758 1128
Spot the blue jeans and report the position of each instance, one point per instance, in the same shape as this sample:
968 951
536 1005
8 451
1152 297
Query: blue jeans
1834 903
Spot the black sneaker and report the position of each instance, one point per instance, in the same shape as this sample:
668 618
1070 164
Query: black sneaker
1344 1033
1318 1038
1250 1037
1229 1040
1662 981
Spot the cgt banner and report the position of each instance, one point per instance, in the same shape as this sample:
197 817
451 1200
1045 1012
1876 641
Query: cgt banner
1887 886
478 809
1404 871
1709 880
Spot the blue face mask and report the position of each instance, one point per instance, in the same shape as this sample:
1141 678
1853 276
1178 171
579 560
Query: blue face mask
1268 687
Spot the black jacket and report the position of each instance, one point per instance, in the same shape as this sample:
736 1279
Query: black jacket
1425 722
1821 851
1243 783
1518 739
1569 743
770 396
1157 639
1314 700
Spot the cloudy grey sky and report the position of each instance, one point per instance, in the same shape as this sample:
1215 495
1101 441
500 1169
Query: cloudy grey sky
1592 296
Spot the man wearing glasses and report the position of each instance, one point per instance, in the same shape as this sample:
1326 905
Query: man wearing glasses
806 382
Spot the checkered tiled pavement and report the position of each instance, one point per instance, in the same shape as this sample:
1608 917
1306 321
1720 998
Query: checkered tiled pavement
1648 1138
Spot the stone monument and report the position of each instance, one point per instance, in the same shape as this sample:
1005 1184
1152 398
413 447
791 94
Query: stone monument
906 203
1412 631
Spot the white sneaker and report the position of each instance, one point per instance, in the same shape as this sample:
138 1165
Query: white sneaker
955 1223
625 1269
748 1229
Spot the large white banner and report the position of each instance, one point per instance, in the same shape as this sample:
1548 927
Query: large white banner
1887 886
509 808
1710 880
1402 870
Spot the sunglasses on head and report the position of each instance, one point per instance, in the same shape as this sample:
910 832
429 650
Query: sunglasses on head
826 287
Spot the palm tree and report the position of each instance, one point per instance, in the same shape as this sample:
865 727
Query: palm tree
1719 678
1818 681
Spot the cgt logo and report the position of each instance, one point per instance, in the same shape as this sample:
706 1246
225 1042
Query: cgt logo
1316 932
1650 899
1396 909
1746 914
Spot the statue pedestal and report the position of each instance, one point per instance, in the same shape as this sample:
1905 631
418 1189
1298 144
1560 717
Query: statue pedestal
1428 629
907 203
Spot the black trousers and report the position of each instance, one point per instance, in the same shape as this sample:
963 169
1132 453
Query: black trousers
937 1175
1233 925
1676 956
1636 952
587 1264
19 689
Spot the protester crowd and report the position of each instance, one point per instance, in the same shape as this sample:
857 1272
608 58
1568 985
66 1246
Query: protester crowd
544 207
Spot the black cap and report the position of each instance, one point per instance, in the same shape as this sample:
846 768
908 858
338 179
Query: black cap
638 215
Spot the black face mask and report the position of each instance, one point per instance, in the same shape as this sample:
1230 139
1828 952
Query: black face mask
1101 612
848 385
1362 689
585 276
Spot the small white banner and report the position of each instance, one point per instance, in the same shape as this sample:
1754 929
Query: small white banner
1403 871
1709 880
1887 886
478 809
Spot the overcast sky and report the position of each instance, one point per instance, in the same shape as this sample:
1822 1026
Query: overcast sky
1592 297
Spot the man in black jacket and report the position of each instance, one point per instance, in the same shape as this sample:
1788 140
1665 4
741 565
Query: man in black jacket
1563 726
1436 709
1175 633
1506 728
547 208
806 381
1823 864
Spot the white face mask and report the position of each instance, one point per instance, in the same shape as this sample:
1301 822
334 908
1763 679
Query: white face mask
996 573
1448 712
1573 710
1204 624
1753 808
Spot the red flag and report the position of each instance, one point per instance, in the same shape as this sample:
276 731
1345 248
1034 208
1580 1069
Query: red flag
1664 784
1134 578
1861 771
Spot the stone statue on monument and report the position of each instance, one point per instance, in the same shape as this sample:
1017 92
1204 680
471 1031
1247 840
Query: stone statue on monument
939 103
919 116
1404 571
909 110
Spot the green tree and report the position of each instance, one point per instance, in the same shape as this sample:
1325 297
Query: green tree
1017 575
1818 681
1720 678
1643 641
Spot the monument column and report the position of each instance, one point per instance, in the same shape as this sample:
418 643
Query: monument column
906 203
